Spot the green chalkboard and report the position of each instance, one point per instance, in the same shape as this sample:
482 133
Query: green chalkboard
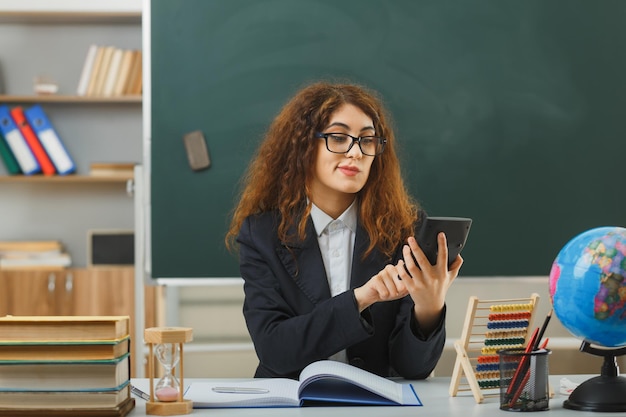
510 112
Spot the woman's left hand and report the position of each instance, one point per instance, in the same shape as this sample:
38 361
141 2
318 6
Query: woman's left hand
428 284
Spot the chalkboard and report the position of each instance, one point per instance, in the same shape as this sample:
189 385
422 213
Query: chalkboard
509 112
111 247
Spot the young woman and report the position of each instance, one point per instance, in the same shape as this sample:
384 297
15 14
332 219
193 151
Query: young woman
324 229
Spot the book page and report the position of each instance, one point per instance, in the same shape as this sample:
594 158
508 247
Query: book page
338 370
276 392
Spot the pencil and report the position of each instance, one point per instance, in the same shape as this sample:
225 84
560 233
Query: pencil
521 367
519 390
543 330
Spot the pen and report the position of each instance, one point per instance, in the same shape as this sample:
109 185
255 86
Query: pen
139 393
239 390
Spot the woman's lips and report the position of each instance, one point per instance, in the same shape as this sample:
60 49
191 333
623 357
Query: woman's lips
349 171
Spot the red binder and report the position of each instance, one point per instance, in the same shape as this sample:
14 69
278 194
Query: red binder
47 168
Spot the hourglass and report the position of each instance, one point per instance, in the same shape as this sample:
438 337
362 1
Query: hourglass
166 396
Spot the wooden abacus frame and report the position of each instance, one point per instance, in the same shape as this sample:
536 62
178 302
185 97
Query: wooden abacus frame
490 325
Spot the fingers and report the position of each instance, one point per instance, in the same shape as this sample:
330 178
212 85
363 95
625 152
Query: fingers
414 255
413 275
403 273
456 265
418 255
387 284
427 277
442 249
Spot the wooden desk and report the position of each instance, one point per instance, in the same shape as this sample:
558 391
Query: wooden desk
433 392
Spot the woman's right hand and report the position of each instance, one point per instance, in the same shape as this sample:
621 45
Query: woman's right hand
384 286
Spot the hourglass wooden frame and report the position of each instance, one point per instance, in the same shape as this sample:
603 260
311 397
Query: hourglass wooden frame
167 335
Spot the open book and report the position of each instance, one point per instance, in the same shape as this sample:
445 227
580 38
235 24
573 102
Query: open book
320 383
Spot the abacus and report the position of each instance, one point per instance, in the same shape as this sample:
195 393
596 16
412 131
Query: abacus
490 325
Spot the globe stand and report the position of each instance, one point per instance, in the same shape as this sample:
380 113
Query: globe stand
607 392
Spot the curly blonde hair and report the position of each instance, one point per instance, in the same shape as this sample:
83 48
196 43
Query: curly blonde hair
279 174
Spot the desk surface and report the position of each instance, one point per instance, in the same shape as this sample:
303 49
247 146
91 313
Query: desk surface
433 392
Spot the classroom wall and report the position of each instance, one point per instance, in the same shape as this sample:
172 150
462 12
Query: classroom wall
538 95
216 317
213 312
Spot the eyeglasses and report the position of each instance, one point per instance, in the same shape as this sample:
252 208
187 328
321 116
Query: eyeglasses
342 143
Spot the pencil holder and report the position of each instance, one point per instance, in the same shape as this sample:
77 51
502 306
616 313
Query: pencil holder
524 380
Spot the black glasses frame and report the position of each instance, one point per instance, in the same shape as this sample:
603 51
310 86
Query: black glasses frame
382 141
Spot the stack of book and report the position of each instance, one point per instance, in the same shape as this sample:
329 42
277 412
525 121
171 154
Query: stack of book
112 169
111 72
65 366
29 144
38 254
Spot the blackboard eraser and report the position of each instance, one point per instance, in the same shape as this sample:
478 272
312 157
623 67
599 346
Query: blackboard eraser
197 151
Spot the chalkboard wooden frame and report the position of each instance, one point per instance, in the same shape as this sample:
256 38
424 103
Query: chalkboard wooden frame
507 112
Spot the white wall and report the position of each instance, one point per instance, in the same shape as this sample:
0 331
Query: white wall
216 317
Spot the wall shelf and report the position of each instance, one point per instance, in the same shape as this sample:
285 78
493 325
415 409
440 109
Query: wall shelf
70 11
69 17
134 99
63 179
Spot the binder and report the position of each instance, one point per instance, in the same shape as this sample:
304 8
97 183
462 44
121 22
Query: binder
47 168
11 164
16 142
50 140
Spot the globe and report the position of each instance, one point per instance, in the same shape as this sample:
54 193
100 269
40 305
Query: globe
588 286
